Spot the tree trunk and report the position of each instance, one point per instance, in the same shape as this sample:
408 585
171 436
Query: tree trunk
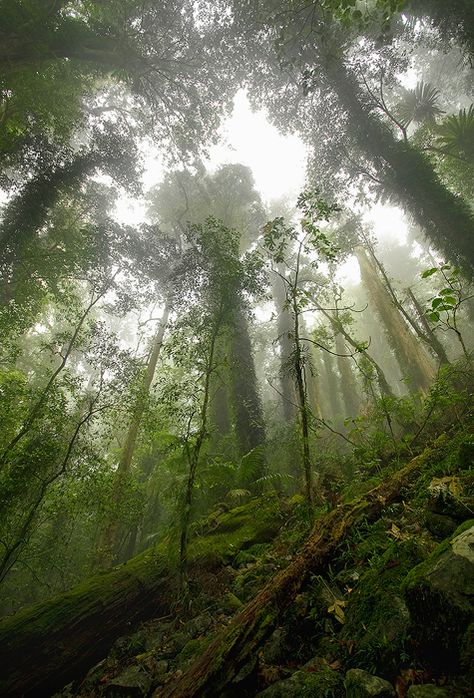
438 348
235 646
45 646
413 360
284 328
249 423
349 388
108 544
420 325
383 384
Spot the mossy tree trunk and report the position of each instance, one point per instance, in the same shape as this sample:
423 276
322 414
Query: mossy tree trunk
349 388
230 651
406 174
45 646
249 422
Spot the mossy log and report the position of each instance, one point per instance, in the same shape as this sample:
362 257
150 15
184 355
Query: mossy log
231 650
47 645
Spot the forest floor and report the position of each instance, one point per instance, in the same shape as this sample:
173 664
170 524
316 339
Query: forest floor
390 614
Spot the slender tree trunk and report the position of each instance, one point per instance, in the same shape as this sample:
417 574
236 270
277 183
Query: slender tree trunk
193 456
284 328
436 345
108 544
240 641
414 362
421 328
36 410
301 392
384 386
333 386
13 550
349 387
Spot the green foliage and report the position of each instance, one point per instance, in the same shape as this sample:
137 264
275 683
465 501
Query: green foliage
419 105
455 135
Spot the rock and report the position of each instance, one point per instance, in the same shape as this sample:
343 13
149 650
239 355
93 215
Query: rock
132 682
361 684
440 597
440 525
231 603
274 648
201 623
445 498
324 682
429 690
161 667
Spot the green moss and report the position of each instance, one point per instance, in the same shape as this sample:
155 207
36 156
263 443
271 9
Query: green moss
255 522
193 648
377 619
418 573
324 683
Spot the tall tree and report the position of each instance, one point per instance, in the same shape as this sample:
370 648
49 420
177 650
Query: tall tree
413 360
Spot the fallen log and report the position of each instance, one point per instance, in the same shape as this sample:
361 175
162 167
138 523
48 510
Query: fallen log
232 649
45 646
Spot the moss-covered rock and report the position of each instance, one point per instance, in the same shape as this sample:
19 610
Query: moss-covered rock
134 682
377 618
440 525
440 596
320 683
361 684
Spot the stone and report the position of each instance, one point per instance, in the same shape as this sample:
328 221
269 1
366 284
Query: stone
133 682
360 684
274 648
231 603
445 499
440 525
309 684
440 597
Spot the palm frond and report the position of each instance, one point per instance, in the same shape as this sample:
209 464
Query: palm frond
419 105
456 133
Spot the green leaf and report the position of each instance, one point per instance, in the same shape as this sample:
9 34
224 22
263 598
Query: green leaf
429 272
433 316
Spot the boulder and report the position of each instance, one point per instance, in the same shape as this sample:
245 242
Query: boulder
440 597
307 683
132 682
361 684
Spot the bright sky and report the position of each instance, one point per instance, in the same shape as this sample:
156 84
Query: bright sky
277 162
